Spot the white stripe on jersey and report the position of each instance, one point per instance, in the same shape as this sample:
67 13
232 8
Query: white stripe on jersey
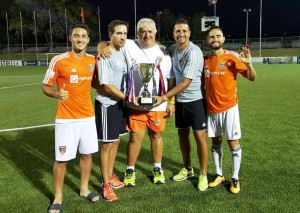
104 122
103 73
232 53
190 72
50 73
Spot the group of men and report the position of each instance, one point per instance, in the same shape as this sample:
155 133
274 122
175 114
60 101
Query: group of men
177 82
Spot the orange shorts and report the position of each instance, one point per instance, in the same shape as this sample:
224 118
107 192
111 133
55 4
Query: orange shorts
138 120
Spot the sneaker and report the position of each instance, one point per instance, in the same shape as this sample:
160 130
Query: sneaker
217 181
235 186
115 182
183 174
129 178
108 193
158 176
203 183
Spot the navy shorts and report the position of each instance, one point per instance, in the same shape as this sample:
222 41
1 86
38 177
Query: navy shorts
191 114
110 121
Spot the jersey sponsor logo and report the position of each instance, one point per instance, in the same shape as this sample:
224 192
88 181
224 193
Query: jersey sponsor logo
208 73
62 149
91 67
73 79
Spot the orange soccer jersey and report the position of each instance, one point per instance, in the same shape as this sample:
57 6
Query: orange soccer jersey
220 80
77 75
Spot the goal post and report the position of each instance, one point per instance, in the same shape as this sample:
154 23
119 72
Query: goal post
49 56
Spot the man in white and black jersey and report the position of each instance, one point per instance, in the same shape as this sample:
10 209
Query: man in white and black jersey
110 106
187 65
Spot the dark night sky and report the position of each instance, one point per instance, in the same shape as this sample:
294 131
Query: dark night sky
279 17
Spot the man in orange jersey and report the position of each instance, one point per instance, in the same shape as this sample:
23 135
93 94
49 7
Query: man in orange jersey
220 69
75 126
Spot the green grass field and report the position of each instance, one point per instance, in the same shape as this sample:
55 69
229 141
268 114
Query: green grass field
269 173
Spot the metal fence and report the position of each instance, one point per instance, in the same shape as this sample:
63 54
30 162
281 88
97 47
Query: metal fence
233 44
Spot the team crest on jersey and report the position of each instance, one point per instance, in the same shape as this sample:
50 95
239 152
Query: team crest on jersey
91 67
73 79
181 62
223 65
62 149
157 122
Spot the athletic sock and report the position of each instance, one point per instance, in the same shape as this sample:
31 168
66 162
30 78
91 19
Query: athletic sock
130 167
217 153
157 165
236 161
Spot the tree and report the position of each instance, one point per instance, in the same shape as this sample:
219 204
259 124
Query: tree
41 7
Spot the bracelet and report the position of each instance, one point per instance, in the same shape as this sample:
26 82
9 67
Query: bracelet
171 102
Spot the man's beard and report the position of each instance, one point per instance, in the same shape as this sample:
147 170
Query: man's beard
216 47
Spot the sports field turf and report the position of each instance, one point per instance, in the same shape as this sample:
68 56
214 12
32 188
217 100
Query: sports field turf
269 175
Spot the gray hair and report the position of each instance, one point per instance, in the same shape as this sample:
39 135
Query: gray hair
146 22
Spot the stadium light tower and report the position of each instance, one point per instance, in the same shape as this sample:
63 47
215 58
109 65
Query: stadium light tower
158 24
247 11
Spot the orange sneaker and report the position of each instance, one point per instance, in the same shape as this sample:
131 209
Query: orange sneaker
108 193
115 182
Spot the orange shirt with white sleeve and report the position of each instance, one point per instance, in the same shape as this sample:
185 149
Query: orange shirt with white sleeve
76 74
220 80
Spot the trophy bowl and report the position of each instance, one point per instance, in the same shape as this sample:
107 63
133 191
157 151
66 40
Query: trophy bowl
145 72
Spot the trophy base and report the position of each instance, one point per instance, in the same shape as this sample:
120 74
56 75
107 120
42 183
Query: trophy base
146 101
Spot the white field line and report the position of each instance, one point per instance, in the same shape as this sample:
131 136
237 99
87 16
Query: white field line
19 76
22 85
28 127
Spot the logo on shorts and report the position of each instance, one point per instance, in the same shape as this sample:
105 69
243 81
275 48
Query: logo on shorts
62 149
157 122
204 124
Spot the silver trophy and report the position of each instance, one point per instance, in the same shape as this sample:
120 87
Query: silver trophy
146 71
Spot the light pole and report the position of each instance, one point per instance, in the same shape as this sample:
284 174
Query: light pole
247 11
158 25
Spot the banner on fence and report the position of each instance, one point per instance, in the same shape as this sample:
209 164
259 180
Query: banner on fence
274 60
8 63
29 63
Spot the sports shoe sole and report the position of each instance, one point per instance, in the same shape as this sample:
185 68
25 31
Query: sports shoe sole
182 179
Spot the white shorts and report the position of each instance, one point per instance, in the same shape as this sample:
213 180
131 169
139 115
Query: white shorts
225 123
69 137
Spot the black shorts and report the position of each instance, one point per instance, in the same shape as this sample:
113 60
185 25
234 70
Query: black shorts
110 121
191 114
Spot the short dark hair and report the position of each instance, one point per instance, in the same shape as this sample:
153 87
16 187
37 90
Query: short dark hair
79 25
114 23
181 21
213 28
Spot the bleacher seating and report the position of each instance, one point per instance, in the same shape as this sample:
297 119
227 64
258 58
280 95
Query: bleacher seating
232 46
11 50
34 50
60 49
266 45
91 49
296 43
